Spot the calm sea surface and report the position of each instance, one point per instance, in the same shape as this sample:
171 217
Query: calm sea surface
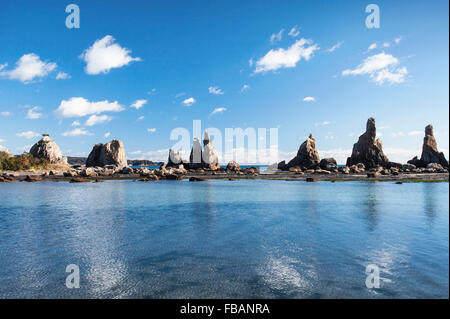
230 239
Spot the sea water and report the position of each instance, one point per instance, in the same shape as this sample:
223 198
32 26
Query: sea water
224 239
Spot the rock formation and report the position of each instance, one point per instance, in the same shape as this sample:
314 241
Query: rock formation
206 158
368 150
307 156
430 153
209 156
47 149
174 159
233 166
111 153
328 163
195 158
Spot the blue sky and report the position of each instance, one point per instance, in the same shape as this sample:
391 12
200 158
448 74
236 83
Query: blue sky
166 52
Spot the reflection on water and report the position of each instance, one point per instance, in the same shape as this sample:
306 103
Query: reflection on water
430 194
229 239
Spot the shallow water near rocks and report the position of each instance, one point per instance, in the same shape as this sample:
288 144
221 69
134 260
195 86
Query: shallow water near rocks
224 239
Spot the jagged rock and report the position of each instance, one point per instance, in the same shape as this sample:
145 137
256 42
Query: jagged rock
89 171
368 150
209 156
430 153
33 178
344 170
435 166
360 168
173 177
112 153
373 174
127 170
47 149
307 156
328 164
195 158
233 166
409 166
174 159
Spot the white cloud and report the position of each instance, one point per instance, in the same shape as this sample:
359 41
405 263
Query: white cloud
334 47
218 110
381 68
28 68
244 88
136 152
294 32
372 47
325 123
75 123
5 113
276 36
78 107
2 66
151 130
386 44
105 55
76 132
189 101
286 58
138 104
97 119
397 40
62 76
140 118
215 90
152 91
33 113
28 134
415 133
107 134
309 99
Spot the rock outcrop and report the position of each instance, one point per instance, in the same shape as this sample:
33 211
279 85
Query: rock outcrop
195 158
112 153
174 159
368 150
47 149
209 156
307 156
206 158
430 153
328 163
233 166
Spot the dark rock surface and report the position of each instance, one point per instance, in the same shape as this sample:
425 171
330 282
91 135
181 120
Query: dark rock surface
368 150
112 153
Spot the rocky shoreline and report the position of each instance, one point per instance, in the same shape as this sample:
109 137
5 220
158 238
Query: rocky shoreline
367 162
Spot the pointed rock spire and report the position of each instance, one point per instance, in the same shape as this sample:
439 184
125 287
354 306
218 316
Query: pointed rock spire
307 156
430 153
368 150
